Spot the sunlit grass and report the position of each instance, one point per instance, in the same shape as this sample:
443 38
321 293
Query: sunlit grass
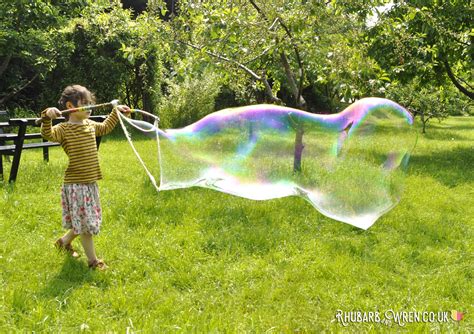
200 260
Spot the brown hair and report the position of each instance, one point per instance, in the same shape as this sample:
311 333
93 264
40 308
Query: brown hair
76 94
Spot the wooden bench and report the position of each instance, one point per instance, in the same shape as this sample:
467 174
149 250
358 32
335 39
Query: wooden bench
15 149
3 124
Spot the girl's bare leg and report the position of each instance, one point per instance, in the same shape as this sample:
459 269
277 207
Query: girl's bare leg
69 237
88 244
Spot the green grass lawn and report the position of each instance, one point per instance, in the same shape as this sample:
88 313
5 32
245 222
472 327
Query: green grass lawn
197 260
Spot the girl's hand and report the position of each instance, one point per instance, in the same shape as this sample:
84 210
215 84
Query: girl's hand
53 113
124 109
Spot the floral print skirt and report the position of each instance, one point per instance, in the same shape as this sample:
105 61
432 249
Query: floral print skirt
81 208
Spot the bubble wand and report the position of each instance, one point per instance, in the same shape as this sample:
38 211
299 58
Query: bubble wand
112 103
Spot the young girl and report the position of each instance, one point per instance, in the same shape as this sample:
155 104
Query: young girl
82 214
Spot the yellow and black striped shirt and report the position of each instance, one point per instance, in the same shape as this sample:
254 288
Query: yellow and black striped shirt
78 141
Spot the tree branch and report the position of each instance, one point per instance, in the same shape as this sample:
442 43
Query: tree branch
262 78
297 90
258 9
289 74
242 66
268 90
16 91
298 59
260 55
464 81
456 83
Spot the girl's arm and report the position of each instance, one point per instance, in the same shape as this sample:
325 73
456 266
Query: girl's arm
101 129
110 122
49 132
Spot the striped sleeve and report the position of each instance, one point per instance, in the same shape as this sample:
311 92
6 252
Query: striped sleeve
52 133
101 129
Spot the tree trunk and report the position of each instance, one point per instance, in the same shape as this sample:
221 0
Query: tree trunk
298 98
252 136
299 146
5 63
423 122
296 89
300 104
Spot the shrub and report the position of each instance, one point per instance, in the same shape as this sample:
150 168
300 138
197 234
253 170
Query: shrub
189 100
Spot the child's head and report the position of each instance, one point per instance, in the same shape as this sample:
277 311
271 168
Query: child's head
76 96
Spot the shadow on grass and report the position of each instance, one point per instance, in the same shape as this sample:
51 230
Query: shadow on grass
451 168
8 187
442 134
443 126
73 275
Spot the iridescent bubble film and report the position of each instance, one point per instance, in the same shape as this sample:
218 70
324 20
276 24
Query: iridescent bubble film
350 165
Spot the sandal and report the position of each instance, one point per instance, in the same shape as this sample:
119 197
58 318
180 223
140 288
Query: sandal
97 264
61 246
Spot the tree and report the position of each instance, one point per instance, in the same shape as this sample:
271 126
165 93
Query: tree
423 101
27 50
101 47
431 40
275 45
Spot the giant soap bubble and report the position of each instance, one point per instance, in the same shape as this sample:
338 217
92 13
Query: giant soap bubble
350 166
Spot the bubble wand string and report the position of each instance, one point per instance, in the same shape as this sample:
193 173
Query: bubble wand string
129 139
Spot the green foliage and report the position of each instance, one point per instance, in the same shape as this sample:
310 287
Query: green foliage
429 102
414 39
113 55
26 48
260 51
189 100
101 47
